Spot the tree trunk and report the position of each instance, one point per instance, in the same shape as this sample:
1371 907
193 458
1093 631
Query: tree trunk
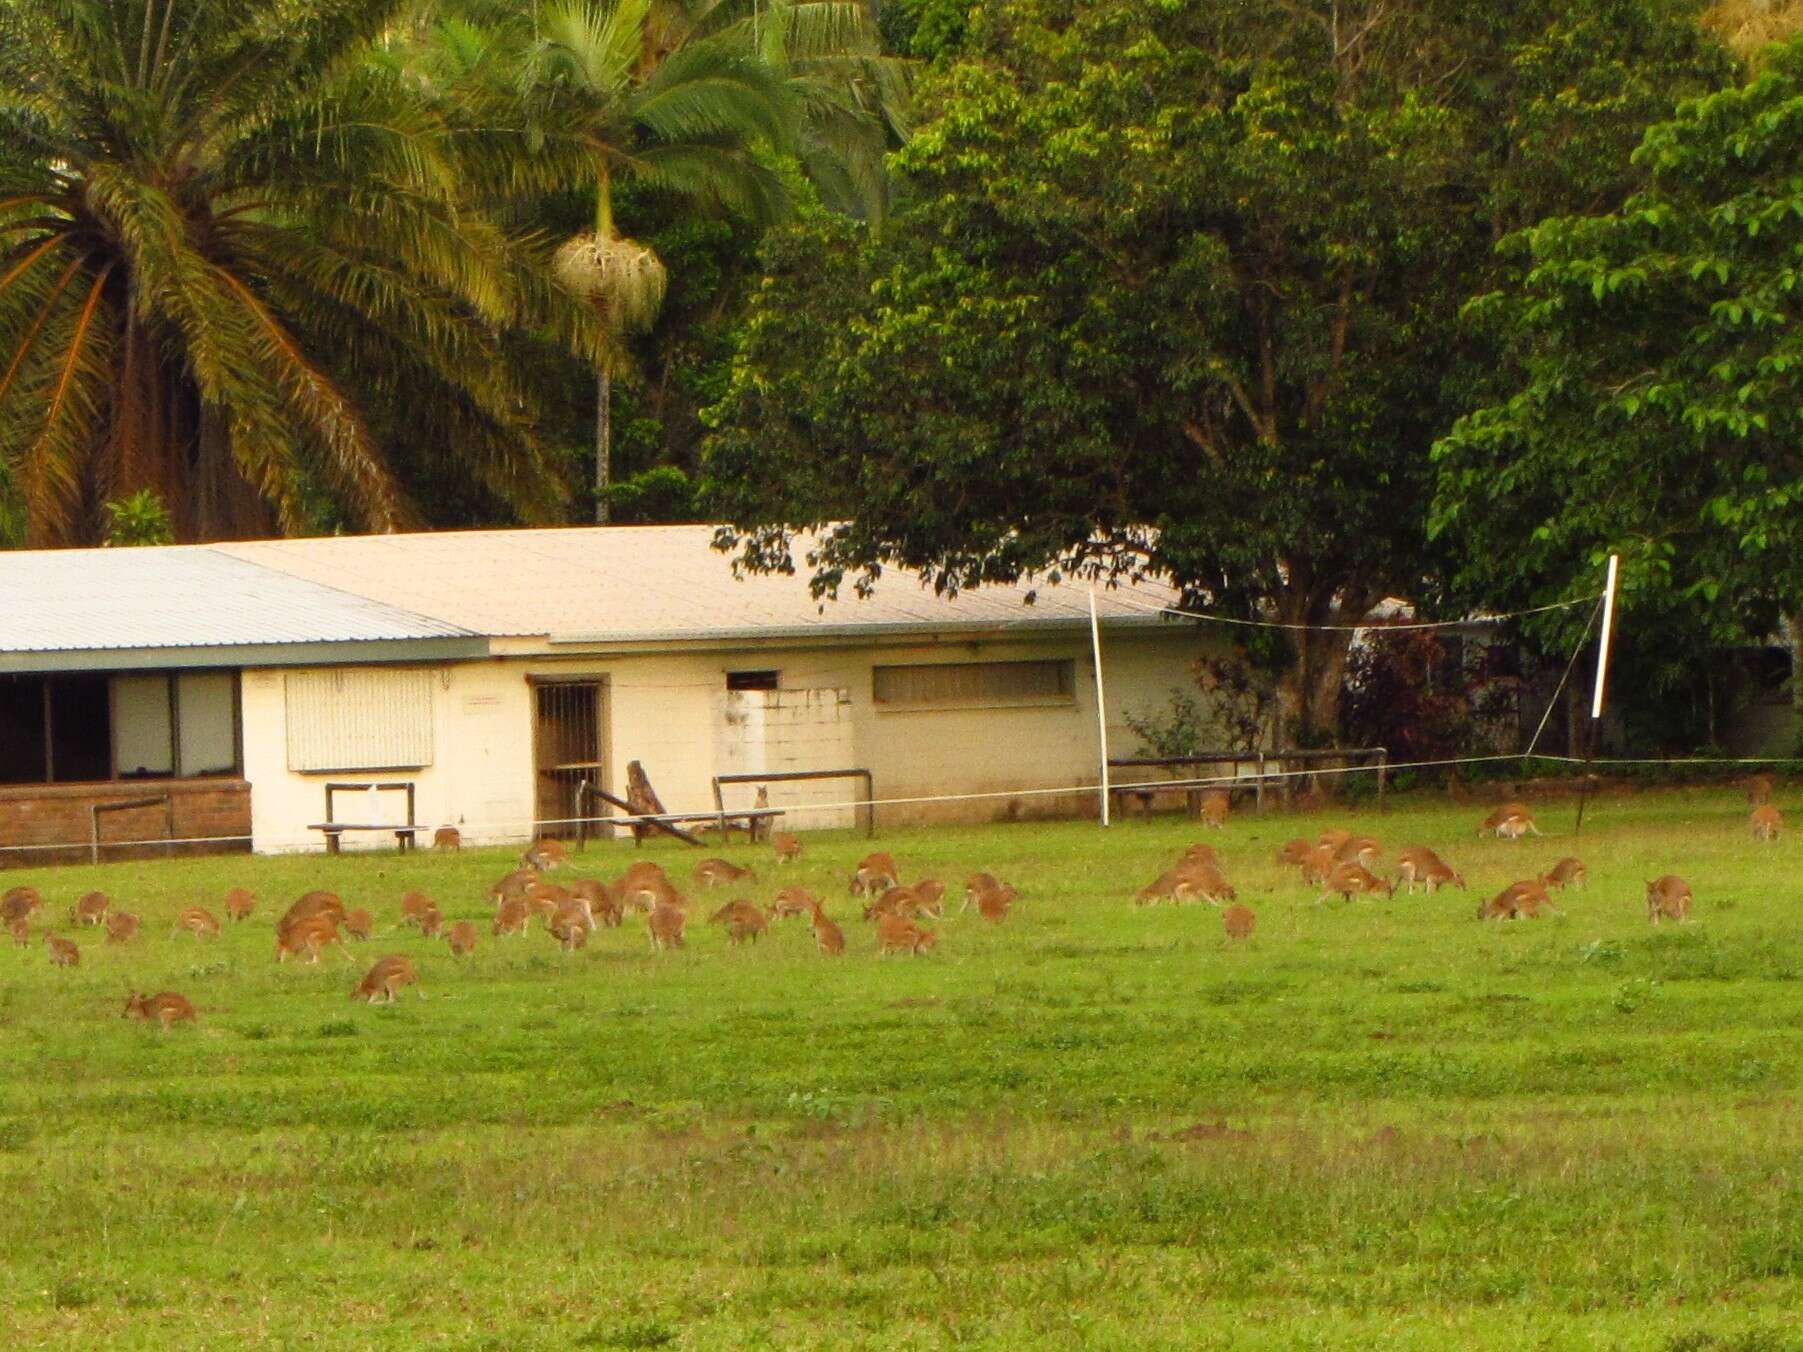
1308 693
604 442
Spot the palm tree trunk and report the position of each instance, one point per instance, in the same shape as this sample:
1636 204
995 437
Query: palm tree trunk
604 441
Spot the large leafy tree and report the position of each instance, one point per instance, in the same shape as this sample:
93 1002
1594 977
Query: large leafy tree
1176 290
231 231
1655 397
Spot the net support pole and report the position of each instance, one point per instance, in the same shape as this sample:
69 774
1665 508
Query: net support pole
1095 648
1602 684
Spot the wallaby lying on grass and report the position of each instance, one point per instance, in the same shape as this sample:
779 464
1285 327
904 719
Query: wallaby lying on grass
166 1007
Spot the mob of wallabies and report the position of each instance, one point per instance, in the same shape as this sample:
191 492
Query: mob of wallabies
901 912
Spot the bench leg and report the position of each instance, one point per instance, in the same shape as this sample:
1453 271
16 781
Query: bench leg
331 842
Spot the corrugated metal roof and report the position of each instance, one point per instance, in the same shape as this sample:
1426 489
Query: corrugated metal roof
650 583
79 600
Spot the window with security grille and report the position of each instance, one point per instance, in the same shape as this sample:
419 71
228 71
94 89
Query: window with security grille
972 684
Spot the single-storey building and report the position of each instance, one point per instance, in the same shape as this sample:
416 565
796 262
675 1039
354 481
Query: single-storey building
210 692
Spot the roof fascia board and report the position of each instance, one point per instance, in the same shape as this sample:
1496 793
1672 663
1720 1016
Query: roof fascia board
344 653
919 631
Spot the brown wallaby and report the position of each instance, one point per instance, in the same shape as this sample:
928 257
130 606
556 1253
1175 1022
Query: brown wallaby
793 901
1239 922
787 847
1766 822
1190 882
1295 853
166 1007
414 907
1319 866
511 917
543 899
1216 804
91 909
827 936
1519 900
309 935
312 903
1567 872
20 903
1357 850
896 935
1668 898
876 873
20 929
1333 837
894 901
462 939
199 922
359 924
430 921
1348 880
644 886
1511 821
513 885
992 897
1199 853
63 953
574 911
384 980
929 897
121 927
239 903
447 838
570 933
546 854
742 920
664 925
1759 789
720 872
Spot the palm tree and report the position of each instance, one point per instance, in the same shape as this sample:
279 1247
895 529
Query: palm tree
231 232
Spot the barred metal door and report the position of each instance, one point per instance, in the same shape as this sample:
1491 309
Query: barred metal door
569 749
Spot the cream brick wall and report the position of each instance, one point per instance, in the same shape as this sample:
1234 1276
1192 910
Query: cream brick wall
668 710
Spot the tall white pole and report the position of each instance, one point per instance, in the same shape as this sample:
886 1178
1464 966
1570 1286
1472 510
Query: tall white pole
1602 647
1095 647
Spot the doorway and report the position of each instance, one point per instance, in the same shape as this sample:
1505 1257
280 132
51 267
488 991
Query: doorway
569 752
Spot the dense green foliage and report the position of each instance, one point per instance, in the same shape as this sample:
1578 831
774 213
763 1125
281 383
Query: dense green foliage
1095 1125
1177 288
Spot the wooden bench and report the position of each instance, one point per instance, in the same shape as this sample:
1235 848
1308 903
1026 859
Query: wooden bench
405 833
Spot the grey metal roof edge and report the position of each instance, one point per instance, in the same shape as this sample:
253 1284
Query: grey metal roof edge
875 629
338 652
453 629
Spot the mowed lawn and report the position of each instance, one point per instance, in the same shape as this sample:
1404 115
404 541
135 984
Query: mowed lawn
1097 1125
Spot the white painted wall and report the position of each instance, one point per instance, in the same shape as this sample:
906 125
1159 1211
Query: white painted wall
670 710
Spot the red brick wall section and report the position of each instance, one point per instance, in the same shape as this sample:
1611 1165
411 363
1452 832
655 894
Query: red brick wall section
57 814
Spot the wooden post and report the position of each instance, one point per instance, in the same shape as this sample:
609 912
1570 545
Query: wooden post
1383 775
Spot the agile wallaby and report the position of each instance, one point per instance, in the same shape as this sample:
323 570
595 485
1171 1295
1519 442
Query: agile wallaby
1766 822
388 977
198 921
896 935
1668 898
91 909
1239 922
239 903
166 1007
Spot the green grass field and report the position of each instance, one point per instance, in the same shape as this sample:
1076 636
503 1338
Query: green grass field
1097 1125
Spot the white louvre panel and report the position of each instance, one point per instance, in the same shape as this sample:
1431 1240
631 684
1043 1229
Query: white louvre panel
359 720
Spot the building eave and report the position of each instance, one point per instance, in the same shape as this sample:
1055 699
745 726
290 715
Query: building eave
249 656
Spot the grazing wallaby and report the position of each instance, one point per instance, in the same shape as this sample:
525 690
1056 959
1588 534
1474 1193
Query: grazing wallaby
91 909
644 885
1759 789
1333 837
414 907
573 911
430 921
1188 883
1567 872
384 980
570 933
166 1007
1519 900
1199 853
929 897
787 847
199 922
63 953
1766 821
719 872
896 935
1511 821
20 929
310 934
1413 863
239 903
1319 865
894 901
121 927
462 939
1239 922
1295 852
1668 898
513 885
1216 804
447 838
876 873
742 920
793 901
827 936
993 903
20 903
664 925
1346 880
1357 850
543 899
312 903
359 924
511 917
545 855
